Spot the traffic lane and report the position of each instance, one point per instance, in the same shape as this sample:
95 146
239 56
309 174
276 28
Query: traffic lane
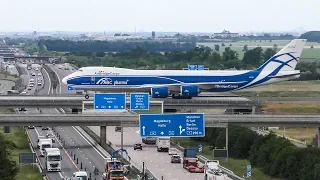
46 82
86 154
157 162
5 86
34 138
67 166
61 73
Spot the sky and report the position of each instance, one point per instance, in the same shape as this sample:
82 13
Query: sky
160 15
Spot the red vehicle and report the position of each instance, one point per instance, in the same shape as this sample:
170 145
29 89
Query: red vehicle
191 162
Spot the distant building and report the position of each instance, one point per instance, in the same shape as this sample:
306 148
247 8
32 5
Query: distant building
153 34
226 34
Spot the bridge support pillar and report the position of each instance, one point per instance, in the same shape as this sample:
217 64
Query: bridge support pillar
253 110
318 137
103 135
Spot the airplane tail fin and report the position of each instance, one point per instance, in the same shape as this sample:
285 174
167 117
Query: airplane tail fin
286 59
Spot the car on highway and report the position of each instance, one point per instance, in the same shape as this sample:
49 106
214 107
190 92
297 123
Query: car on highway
37 69
175 159
51 136
30 85
45 128
33 74
39 83
60 67
29 68
117 129
39 74
23 93
29 88
137 146
39 78
173 151
30 127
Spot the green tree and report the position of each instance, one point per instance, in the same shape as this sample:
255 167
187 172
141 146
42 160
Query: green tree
311 46
217 47
245 48
8 168
275 47
222 45
229 54
254 56
268 53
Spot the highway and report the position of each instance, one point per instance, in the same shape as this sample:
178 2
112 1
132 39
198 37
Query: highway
157 162
68 166
89 156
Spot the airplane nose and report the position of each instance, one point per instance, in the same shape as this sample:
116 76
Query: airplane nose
65 80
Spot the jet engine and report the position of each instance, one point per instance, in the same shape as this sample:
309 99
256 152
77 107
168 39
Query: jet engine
162 92
189 91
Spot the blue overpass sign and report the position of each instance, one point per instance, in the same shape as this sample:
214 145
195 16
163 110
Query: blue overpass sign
139 101
200 67
110 101
173 125
70 88
192 67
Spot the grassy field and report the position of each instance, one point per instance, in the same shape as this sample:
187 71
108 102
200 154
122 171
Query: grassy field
19 138
238 46
238 166
300 134
292 107
284 89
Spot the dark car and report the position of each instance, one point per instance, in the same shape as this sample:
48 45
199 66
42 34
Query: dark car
117 129
45 128
175 159
137 146
51 136
30 127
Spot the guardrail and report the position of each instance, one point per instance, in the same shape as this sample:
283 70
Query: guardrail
203 159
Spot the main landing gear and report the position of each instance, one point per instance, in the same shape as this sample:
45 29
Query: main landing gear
86 95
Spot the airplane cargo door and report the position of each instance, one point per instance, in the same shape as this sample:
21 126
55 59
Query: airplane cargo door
93 80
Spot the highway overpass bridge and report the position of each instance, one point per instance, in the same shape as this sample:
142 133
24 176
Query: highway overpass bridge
76 102
132 120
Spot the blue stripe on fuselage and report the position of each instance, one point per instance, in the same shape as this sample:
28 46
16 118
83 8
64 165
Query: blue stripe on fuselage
158 80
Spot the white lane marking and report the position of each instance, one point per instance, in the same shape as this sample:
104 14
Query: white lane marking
49 80
35 128
88 142
57 111
60 175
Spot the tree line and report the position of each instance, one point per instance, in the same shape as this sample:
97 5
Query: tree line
276 156
311 36
8 167
139 58
114 46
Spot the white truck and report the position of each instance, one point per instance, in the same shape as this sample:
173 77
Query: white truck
163 144
212 171
81 175
53 159
42 144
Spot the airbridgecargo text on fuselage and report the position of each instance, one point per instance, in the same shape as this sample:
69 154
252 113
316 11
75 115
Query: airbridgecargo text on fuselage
227 86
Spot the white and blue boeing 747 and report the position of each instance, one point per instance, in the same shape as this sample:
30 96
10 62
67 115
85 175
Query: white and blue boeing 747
187 84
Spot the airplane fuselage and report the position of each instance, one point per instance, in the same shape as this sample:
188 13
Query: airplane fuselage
118 79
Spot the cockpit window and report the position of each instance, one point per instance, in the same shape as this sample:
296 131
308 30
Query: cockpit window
80 70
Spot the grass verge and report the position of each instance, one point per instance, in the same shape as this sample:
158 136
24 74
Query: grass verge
292 107
238 166
19 138
300 134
